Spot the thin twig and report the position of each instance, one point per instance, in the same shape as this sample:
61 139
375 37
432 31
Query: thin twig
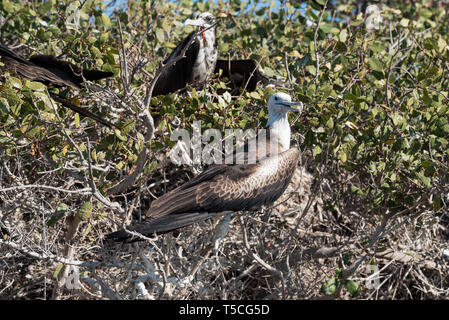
315 37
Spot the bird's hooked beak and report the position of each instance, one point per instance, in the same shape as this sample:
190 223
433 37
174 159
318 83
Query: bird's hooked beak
287 105
195 22
199 23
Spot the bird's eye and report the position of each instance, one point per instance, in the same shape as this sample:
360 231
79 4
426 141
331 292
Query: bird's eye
276 98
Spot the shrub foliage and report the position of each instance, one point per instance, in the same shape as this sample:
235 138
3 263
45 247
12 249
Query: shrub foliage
374 136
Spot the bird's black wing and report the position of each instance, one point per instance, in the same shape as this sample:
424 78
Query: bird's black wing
8 53
13 63
71 74
178 75
49 70
240 73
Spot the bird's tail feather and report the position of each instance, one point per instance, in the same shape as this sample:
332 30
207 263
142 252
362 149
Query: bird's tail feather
96 74
161 225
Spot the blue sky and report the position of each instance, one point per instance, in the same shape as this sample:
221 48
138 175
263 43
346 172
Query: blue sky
121 3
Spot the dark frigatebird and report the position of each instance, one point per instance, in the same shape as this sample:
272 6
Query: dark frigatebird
199 59
229 187
49 70
242 74
200 62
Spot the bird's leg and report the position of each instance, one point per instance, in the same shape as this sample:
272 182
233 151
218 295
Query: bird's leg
221 230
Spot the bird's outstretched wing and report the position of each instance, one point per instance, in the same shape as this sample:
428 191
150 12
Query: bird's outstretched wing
12 62
178 75
221 188
55 72
48 69
70 74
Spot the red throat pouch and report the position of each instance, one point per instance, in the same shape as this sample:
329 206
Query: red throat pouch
204 35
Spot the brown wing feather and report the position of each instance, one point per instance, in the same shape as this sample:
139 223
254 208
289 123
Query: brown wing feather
267 181
29 71
255 149
50 70
219 190
230 187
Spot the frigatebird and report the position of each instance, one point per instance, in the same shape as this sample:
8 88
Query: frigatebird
198 63
54 72
242 74
229 187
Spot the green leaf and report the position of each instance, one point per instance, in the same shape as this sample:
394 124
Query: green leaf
160 35
425 180
15 82
77 120
436 203
59 213
255 95
119 135
85 211
425 13
342 156
106 20
356 190
326 27
58 270
268 72
35 86
8 6
357 22
375 64
330 286
352 287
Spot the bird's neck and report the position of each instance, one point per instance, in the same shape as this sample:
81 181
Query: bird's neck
278 124
207 38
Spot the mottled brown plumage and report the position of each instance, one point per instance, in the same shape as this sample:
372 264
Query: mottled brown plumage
229 187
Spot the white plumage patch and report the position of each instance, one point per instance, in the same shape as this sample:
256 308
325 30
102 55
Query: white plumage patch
207 57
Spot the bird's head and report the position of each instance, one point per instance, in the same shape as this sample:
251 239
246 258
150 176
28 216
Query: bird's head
281 103
204 21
